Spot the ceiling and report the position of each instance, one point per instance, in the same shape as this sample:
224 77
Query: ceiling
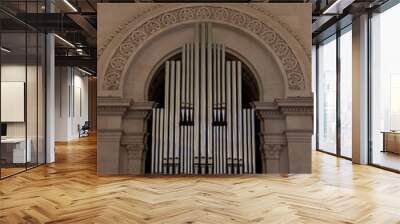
76 20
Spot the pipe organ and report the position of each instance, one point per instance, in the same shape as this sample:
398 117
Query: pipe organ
203 127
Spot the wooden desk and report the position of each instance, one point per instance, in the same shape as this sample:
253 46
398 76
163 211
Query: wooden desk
13 150
391 141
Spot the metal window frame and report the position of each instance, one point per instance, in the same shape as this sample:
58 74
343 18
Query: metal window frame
339 32
381 9
44 75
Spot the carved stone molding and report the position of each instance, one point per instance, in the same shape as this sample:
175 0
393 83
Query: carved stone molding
282 107
274 41
139 110
109 135
133 138
299 136
264 11
111 106
297 110
270 114
122 27
296 105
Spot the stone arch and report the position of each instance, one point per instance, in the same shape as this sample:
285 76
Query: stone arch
295 76
263 65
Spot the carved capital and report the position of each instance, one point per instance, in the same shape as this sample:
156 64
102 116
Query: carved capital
135 145
135 151
272 151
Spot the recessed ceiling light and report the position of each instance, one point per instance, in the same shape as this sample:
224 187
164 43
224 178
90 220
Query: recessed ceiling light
84 71
64 40
338 6
70 5
5 50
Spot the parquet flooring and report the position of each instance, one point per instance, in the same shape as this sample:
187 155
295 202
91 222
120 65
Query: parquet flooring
69 191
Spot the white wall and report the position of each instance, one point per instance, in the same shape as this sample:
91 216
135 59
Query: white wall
71 102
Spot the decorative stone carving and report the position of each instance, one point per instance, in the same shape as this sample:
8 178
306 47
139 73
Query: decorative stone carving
118 63
168 19
186 14
104 45
272 151
265 12
289 62
135 151
137 37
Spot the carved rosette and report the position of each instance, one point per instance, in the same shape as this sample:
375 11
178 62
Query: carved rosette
272 39
272 151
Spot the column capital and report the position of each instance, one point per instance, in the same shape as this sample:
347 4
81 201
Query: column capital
296 106
112 106
273 151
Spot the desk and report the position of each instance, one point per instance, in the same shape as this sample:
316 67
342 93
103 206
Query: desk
13 150
391 141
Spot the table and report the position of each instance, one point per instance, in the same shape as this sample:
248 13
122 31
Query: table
13 150
391 141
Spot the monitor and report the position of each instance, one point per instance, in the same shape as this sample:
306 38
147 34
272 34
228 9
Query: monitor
3 129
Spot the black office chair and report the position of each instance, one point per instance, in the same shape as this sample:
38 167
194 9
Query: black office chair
84 130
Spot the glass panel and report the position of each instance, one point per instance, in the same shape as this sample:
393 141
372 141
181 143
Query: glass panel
41 98
385 84
14 153
31 98
346 94
314 90
327 96
23 89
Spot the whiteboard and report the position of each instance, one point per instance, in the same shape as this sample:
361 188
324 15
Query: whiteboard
12 101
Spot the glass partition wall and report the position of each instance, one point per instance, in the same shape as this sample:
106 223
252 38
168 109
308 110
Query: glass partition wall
22 98
334 94
327 95
385 89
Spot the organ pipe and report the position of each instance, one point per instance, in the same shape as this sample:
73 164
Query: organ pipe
203 127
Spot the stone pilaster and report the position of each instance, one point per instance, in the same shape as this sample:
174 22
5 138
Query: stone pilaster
134 147
298 112
285 135
109 133
272 139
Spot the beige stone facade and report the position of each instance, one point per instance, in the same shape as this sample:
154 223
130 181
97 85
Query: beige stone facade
135 39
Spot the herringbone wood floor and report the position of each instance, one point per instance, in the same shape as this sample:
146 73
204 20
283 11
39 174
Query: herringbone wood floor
69 191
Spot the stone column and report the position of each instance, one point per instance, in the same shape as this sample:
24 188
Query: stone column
134 140
109 133
298 112
272 138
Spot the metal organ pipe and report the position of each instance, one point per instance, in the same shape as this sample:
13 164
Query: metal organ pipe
203 127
